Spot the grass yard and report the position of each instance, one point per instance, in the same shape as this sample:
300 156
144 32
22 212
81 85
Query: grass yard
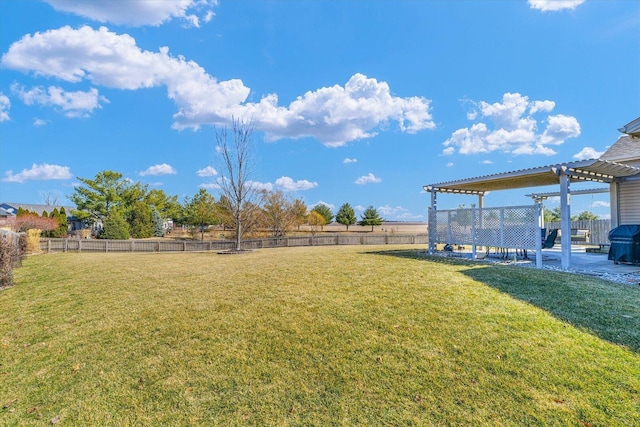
319 336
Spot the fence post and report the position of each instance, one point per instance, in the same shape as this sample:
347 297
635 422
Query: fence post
66 245
106 246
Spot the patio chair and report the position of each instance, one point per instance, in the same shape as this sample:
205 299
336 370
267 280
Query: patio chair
550 240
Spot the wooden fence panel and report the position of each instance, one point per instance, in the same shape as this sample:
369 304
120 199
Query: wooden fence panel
598 229
99 245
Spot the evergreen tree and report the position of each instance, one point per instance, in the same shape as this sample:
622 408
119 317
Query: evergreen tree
96 198
115 227
585 216
140 220
201 211
346 215
56 232
63 224
371 217
158 225
324 211
552 215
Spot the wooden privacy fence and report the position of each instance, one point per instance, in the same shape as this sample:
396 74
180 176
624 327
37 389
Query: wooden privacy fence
93 245
598 229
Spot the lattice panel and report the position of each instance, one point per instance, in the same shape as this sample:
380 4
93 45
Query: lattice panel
506 227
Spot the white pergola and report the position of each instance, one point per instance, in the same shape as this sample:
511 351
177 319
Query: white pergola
561 174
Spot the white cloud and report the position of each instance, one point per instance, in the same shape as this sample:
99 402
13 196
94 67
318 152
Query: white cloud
42 172
259 186
600 204
397 213
449 165
512 128
211 186
368 179
73 104
333 115
554 5
559 128
138 12
541 106
320 202
587 153
348 160
336 115
39 122
208 171
287 184
448 151
387 211
162 169
486 162
5 105
553 200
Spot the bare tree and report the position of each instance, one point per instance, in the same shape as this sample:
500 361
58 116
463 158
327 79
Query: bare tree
236 149
278 212
49 198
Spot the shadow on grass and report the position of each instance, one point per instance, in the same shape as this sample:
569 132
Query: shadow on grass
608 310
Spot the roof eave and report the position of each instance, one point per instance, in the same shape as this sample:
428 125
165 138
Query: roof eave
631 128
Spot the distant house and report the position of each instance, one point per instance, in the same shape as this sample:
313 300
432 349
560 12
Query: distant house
8 209
4 213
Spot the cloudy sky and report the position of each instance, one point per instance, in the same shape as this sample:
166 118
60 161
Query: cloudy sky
353 101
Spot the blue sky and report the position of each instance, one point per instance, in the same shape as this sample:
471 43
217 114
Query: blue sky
353 101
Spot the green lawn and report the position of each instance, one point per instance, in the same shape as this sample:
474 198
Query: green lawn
314 336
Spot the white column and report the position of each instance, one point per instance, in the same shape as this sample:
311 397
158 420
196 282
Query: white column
565 218
613 202
540 210
432 222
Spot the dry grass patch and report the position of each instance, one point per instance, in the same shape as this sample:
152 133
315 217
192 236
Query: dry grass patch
304 336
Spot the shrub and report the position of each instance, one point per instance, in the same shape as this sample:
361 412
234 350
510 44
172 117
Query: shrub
115 227
33 240
22 247
7 256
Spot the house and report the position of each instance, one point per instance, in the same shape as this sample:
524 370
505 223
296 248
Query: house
625 193
11 209
618 167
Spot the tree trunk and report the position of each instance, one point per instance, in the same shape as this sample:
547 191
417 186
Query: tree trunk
239 232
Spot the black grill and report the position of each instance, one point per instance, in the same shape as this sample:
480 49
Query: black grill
625 244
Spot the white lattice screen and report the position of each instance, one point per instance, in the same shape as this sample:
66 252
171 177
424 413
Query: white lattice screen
506 227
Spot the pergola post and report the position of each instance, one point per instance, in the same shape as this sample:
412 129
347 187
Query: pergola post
432 222
613 202
480 225
565 217
540 210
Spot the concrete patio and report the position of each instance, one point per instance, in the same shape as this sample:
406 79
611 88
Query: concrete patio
582 262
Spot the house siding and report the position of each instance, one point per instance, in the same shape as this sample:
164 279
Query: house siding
629 202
